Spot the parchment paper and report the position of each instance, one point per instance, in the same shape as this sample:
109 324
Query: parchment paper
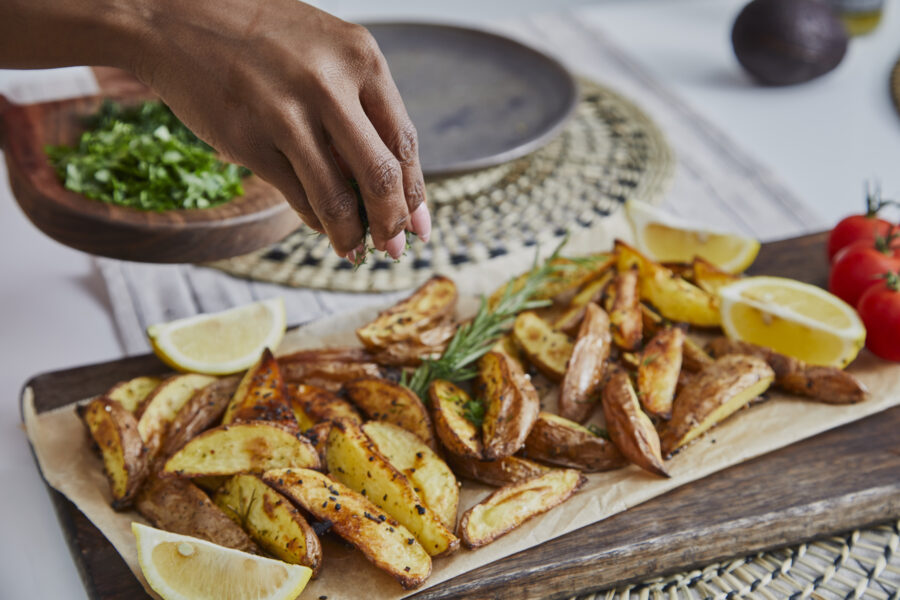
68 464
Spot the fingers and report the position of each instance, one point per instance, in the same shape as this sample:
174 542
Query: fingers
277 170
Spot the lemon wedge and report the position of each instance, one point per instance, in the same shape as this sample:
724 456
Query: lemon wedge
667 238
220 343
793 318
180 567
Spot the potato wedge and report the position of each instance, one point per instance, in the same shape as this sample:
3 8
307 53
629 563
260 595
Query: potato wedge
547 349
629 428
658 371
592 292
823 384
354 460
448 406
202 411
429 475
411 354
125 460
383 400
161 406
623 305
708 277
512 505
130 394
261 395
414 319
271 520
251 447
384 541
312 404
573 275
329 368
507 345
559 441
509 469
511 405
715 393
674 297
179 506
587 366
693 358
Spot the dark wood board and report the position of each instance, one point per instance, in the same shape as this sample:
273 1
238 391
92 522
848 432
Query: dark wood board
842 479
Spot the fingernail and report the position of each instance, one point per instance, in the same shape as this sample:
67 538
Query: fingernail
396 245
421 222
356 254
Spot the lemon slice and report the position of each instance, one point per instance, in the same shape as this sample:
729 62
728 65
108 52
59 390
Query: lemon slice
220 343
180 567
793 318
668 238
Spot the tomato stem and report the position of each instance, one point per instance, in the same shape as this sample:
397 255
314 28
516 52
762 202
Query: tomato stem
884 243
874 201
891 280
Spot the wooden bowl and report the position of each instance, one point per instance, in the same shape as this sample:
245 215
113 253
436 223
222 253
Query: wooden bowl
258 218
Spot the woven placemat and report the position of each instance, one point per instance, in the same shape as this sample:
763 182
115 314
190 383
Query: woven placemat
610 152
895 85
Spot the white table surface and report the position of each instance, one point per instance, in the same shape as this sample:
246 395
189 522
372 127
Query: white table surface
822 139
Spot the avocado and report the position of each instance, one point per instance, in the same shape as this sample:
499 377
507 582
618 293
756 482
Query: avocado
782 42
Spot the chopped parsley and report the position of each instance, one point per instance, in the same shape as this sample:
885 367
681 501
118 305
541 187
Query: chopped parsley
598 431
473 411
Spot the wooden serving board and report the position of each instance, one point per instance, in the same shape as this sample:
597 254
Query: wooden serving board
845 478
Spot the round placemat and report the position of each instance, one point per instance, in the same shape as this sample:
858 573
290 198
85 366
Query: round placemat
860 564
895 85
609 152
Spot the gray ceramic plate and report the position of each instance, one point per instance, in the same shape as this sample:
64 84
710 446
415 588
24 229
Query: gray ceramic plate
477 99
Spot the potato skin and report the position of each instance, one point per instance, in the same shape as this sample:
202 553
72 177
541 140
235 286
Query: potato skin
260 395
312 405
547 349
329 368
624 309
457 434
629 428
658 371
592 292
383 400
509 469
512 405
693 358
559 441
202 411
161 406
131 394
587 366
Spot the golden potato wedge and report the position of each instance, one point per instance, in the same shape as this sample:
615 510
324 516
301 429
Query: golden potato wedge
179 506
125 460
592 292
383 400
509 469
271 520
312 404
261 395
318 437
714 394
658 371
512 505
709 278
130 394
385 542
547 349
572 275
413 319
411 354
674 297
693 358
629 428
587 366
202 411
250 447
161 406
429 475
507 345
457 433
559 441
623 305
511 405
329 368
354 460
823 384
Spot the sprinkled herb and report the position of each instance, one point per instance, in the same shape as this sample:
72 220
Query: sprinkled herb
473 411
593 428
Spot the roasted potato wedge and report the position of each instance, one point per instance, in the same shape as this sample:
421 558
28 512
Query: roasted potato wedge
587 366
179 506
125 460
714 394
507 345
592 292
202 411
271 520
708 277
693 358
674 297
130 394
329 368
824 384
251 447
411 354
513 504
383 400
658 371
572 276
414 319
312 404
354 460
429 475
546 348
384 541
623 305
261 395
161 406
511 405
629 428
509 469
448 406
559 441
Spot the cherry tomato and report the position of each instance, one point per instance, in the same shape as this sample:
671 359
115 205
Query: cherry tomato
859 265
879 309
865 227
